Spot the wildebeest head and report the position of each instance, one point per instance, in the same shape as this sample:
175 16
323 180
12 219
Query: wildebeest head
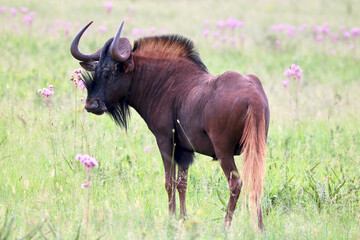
109 79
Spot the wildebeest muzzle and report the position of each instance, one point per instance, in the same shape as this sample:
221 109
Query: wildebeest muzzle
95 106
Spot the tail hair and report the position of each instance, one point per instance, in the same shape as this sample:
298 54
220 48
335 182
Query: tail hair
253 141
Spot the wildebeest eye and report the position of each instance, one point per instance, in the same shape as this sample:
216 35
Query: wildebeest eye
114 73
106 75
110 79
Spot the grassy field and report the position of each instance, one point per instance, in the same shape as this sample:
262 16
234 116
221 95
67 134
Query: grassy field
313 177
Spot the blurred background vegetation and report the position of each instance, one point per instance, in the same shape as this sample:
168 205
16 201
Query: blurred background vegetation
312 182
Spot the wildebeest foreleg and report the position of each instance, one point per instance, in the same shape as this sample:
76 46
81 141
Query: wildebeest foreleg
167 153
235 183
181 187
170 185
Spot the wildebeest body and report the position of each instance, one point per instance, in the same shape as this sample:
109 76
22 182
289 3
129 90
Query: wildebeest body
186 108
190 107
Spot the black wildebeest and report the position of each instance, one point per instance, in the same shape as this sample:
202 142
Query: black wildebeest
186 108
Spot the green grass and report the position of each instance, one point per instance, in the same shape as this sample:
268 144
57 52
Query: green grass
312 184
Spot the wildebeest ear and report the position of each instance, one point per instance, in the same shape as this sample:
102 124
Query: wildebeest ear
129 66
88 66
120 50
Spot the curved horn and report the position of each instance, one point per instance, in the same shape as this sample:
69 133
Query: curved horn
74 49
120 48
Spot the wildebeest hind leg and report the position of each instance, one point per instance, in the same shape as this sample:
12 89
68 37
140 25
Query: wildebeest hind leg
260 220
235 184
224 150
181 187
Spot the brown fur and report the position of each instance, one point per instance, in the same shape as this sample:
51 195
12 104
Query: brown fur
167 47
164 48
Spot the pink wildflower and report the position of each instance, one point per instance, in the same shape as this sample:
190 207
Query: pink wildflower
88 161
67 29
232 41
135 32
3 9
325 29
351 47
232 23
332 52
346 35
23 10
102 29
297 71
317 30
29 18
152 30
220 24
294 72
78 80
109 6
319 38
13 11
58 22
277 43
355 32
280 27
288 73
216 34
333 37
206 32
132 9
302 27
47 93
285 83
147 149
273 28
206 22
81 85
291 31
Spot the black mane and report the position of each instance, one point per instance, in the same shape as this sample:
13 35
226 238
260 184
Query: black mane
88 79
120 113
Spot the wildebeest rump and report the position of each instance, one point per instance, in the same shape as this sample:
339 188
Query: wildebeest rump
186 108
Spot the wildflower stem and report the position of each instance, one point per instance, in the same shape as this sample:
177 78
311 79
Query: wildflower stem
82 132
296 98
88 204
52 133
89 163
75 100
